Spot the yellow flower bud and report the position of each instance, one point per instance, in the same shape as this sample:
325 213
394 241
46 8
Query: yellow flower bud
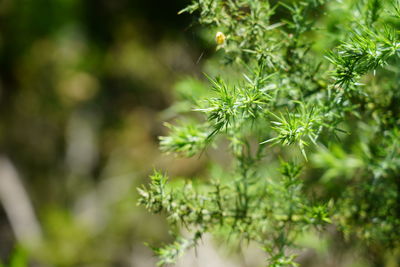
220 38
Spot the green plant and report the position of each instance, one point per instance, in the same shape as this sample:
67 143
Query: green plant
329 86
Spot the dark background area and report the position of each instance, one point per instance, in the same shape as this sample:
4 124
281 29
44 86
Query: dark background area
81 87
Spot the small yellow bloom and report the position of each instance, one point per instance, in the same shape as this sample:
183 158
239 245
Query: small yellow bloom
220 38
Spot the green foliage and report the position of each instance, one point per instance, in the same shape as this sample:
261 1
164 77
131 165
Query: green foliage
339 106
187 139
295 126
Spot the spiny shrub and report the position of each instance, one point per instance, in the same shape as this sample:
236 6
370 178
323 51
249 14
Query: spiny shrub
318 94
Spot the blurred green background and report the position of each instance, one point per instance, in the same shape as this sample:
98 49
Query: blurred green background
82 84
